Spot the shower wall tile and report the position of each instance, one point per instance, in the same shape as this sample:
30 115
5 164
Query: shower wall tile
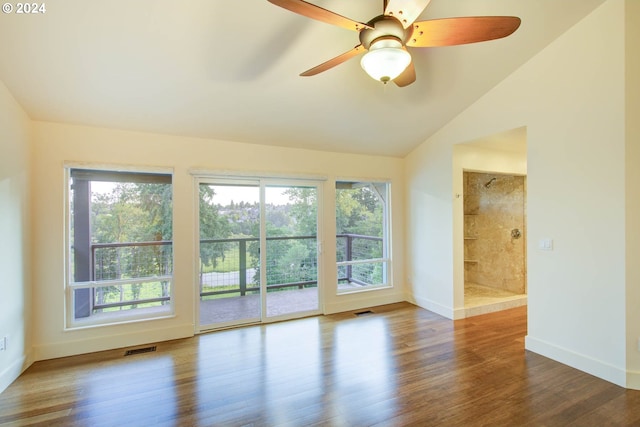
493 207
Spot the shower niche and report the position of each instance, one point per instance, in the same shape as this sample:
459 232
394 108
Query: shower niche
494 239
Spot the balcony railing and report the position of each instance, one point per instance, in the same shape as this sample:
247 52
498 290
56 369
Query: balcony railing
251 284
357 247
131 266
291 263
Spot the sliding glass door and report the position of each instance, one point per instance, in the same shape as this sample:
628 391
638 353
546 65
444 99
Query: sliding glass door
292 249
258 250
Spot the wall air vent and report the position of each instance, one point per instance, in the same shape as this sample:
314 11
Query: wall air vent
363 313
140 350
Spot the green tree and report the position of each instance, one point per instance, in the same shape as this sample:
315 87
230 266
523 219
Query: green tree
359 211
303 210
157 202
213 225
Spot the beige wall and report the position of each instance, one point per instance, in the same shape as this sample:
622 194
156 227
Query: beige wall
56 144
15 257
632 156
570 97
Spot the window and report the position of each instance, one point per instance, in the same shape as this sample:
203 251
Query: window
120 252
362 226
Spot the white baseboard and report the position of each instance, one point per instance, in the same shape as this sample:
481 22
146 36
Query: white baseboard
110 342
13 371
633 380
363 300
581 362
427 304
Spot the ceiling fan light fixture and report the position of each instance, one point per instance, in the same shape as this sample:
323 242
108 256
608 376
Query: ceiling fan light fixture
385 59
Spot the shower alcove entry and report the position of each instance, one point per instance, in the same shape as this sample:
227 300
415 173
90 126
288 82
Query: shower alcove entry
494 242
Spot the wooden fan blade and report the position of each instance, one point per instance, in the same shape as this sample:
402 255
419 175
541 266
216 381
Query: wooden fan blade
316 12
406 11
455 31
335 61
407 77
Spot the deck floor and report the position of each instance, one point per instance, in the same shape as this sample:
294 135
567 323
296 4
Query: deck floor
224 310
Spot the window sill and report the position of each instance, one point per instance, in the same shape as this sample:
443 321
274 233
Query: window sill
122 317
357 290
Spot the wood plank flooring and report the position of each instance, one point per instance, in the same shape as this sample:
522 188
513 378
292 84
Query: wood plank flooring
399 366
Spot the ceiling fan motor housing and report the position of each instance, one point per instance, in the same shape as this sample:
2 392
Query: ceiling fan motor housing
385 27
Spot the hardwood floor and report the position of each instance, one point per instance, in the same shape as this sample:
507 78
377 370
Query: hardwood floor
399 366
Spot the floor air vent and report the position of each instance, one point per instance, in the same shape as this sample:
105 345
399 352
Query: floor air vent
363 313
140 350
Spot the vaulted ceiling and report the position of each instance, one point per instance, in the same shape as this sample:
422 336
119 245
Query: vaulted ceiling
230 69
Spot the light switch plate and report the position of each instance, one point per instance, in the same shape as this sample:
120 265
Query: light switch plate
545 244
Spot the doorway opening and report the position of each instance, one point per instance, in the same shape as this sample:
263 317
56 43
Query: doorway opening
489 184
494 242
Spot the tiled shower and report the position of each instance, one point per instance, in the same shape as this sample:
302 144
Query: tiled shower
494 236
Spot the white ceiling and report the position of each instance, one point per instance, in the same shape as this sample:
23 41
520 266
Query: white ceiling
229 69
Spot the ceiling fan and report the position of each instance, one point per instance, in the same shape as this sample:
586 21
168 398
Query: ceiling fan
386 37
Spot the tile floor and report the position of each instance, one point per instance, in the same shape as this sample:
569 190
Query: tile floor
479 299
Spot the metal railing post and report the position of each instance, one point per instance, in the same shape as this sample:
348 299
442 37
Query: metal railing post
242 254
349 256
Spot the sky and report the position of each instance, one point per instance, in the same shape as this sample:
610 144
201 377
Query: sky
225 193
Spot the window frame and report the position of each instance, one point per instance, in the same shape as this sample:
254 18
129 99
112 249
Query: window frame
70 285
